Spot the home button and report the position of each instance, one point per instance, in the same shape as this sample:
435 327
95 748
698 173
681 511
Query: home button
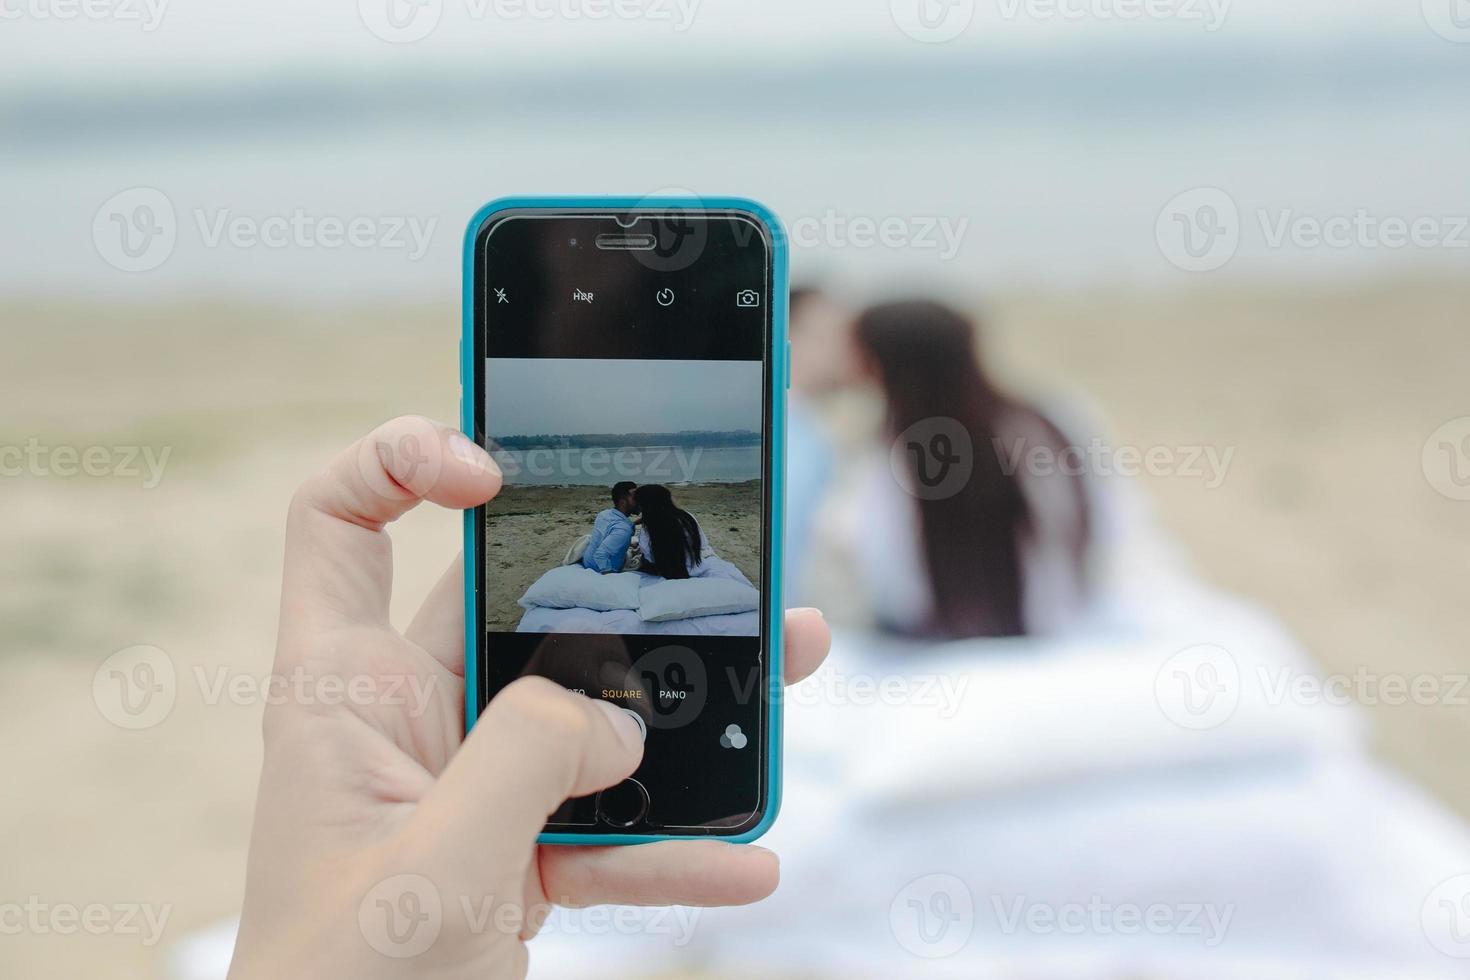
622 805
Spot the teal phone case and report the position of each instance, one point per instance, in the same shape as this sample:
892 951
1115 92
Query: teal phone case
779 374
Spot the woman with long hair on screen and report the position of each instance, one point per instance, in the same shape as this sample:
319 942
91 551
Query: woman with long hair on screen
999 551
670 540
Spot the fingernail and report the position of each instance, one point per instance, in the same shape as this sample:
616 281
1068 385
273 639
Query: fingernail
628 730
470 454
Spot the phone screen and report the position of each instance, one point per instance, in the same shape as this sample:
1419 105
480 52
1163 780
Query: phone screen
626 396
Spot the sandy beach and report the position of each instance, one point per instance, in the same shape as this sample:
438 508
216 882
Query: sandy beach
530 529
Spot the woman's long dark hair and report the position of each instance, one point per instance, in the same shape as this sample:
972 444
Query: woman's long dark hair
926 360
672 533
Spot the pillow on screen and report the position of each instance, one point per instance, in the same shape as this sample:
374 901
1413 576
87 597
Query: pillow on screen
686 598
572 586
576 551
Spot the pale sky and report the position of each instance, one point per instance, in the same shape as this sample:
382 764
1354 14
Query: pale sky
556 396
158 41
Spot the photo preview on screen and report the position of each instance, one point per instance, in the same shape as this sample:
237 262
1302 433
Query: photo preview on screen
622 474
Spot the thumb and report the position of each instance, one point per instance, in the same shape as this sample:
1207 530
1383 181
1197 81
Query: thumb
535 745
337 557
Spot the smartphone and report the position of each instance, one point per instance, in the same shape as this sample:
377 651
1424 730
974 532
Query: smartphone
625 361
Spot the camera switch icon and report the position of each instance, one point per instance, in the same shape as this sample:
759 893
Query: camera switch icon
747 297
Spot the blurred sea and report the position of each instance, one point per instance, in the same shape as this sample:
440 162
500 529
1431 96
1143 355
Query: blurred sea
1045 168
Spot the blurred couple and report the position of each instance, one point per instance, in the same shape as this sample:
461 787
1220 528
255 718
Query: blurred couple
999 551
644 530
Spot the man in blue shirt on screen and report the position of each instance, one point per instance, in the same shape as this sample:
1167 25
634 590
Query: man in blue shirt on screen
612 531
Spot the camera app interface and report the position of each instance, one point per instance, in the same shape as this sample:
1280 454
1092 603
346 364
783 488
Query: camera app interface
624 400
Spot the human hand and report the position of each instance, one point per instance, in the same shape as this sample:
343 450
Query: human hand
371 805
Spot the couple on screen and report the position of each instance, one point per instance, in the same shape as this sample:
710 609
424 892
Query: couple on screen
669 541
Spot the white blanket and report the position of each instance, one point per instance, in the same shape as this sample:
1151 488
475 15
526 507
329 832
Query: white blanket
543 619
1053 788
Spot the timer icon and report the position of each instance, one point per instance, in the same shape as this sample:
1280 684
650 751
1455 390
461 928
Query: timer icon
665 297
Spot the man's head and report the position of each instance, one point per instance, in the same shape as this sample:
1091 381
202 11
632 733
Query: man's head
623 496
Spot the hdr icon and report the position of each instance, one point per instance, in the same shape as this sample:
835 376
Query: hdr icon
581 296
